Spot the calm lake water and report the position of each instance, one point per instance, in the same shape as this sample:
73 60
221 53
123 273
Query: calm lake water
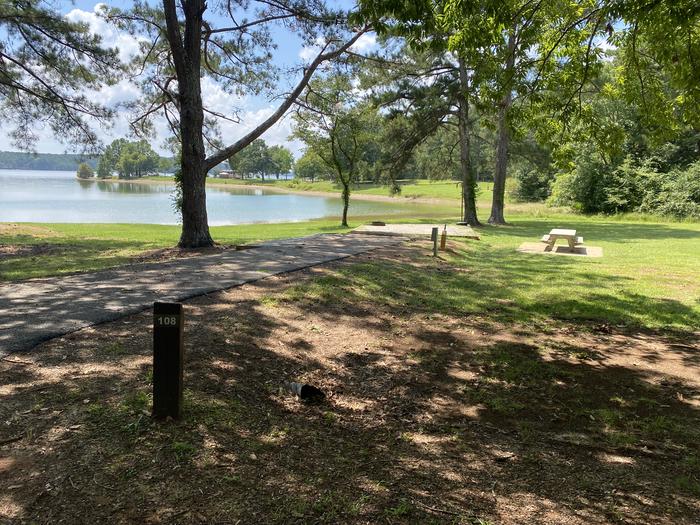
57 196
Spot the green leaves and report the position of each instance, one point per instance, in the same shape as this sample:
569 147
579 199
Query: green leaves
338 126
85 171
128 159
46 65
257 159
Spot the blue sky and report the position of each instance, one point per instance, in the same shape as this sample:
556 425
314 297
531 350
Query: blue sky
253 109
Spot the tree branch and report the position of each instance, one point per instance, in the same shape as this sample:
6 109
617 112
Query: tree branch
222 155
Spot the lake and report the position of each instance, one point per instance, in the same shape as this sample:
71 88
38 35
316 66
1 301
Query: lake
58 196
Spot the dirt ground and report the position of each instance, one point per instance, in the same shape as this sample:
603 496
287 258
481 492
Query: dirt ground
429 418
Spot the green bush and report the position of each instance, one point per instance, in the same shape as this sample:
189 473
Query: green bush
85 171
676 194
583 188
595 187
530 185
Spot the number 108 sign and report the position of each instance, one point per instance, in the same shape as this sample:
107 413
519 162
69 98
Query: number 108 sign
167 321
168 359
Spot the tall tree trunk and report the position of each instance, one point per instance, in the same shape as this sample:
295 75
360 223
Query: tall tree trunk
346 203
468 182
186 57
499 175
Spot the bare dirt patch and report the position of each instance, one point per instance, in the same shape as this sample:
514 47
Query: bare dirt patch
26 229
29 250
430 418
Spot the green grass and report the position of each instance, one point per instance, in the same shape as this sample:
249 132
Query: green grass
421 188
647 277
86 247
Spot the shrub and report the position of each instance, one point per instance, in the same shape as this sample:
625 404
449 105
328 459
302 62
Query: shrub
583 188
676 194
530 185
85 171
594 187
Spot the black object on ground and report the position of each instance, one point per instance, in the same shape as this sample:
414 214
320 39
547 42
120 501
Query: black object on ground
168 358
306 392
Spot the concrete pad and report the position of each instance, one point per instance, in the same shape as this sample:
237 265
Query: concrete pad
418 230
40 309
579 251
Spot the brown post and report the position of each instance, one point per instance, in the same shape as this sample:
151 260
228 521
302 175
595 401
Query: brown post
443 239
168 358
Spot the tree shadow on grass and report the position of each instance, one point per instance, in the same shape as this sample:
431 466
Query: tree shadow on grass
429 424
73 256
516 289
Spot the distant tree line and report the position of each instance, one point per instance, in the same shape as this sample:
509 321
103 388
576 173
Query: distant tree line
258 160
138 160
14 160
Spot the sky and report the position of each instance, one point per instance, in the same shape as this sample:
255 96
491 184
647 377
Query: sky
252 109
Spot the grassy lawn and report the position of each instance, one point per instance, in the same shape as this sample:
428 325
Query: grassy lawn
53 249
486 386
647 276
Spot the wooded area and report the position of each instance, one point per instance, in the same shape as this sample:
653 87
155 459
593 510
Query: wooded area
15 160
593 104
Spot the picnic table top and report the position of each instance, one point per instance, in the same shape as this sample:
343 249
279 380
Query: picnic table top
559 232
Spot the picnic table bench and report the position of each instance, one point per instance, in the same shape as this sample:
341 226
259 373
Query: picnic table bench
557 233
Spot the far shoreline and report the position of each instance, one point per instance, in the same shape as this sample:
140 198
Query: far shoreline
316 193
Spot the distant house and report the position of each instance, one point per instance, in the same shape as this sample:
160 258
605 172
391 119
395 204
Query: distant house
227 174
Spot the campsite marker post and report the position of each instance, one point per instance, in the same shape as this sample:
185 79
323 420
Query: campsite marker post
434 238
168 358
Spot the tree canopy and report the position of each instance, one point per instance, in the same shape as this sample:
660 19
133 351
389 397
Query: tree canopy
85 171
230 44
48 68
337 129
128 159
260 160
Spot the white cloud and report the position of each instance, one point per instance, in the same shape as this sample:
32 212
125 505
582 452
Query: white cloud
119 93
607 48
365 43
217 99
277 135
127 44
306 53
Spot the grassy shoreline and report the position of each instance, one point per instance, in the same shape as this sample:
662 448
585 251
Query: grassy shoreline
419 191
445 194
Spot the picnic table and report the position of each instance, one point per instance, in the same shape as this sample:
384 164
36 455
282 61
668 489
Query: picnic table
558 233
